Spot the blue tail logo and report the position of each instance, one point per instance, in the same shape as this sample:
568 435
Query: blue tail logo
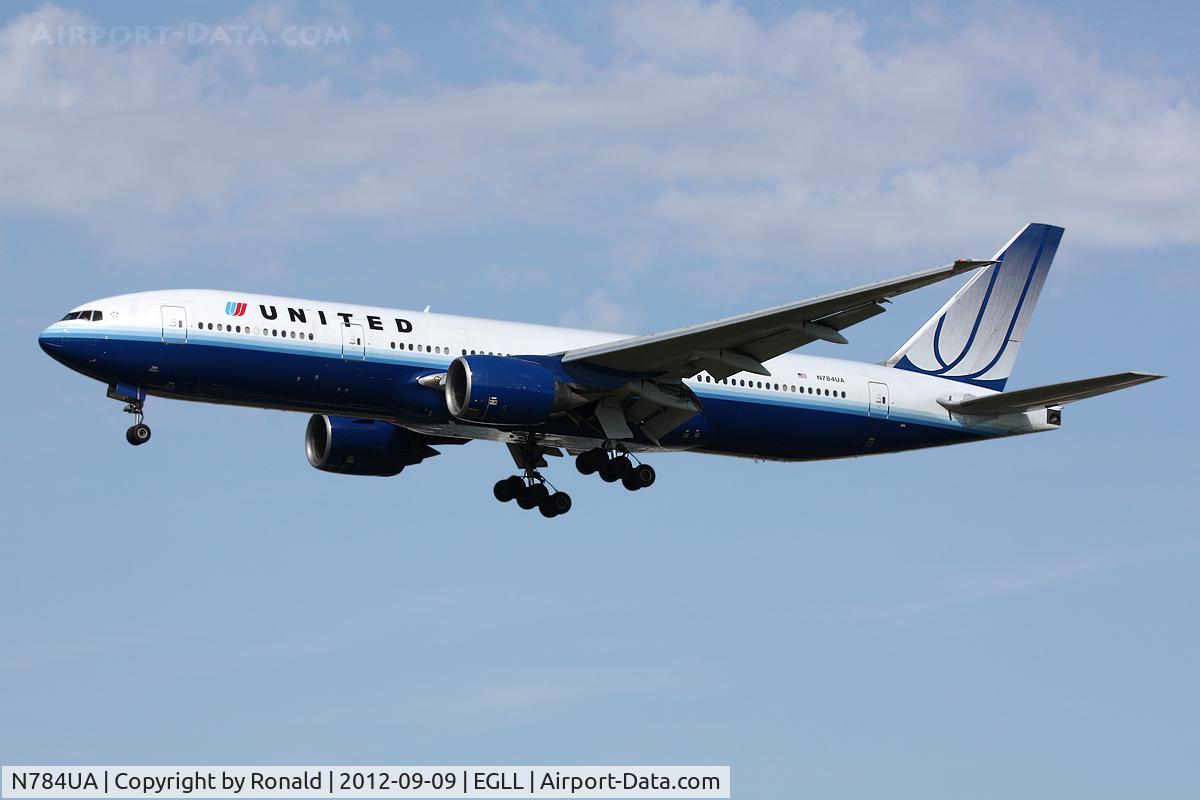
976 336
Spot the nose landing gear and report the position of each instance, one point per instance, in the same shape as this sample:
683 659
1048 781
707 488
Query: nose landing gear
135 400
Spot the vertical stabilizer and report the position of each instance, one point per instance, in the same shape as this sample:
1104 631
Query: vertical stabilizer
976 336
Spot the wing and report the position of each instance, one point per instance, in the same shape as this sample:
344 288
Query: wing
1056 394
740 344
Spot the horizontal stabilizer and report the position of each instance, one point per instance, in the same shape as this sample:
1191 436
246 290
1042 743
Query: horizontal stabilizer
1056 394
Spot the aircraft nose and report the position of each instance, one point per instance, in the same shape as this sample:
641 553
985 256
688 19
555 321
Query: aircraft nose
51 341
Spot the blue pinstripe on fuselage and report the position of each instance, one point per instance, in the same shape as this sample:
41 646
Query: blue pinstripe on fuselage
312 376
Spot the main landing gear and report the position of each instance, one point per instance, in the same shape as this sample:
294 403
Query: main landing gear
531 491
615 465
139 431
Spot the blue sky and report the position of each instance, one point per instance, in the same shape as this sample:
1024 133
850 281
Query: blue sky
1013 618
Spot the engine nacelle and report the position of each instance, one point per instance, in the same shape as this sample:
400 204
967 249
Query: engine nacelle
361 446
505 391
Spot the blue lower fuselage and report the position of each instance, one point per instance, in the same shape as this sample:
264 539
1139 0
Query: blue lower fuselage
315 379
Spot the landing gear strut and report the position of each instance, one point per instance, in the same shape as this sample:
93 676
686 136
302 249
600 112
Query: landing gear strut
139 431
530 489
614 463
134 399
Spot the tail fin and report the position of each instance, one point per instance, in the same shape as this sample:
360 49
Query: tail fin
976 336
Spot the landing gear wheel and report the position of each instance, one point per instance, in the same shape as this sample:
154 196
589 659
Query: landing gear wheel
639 478
621 466
525 499
505 490
608 475
561 502
644 475
588 461
138 434
555 505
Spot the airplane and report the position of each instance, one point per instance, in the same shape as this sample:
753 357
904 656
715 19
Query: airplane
386 386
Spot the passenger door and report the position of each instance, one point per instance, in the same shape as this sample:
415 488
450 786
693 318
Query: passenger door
880 400
174 325
354 343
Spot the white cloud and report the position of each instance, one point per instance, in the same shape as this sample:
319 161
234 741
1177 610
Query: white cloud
598 312
542 52
703 131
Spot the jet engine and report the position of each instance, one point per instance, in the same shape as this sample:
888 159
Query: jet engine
362 446
504 390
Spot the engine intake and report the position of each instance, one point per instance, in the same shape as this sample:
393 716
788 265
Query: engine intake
504 390
362 446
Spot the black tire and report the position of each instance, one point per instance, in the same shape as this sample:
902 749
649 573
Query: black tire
621 466
644 475
555 505
586 462
630 482
607 475
516 484
138 434
525 499
501 491
561 501
539 492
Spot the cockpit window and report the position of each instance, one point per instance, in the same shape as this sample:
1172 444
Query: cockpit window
91 316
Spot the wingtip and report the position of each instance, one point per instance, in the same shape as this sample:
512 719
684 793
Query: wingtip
963 264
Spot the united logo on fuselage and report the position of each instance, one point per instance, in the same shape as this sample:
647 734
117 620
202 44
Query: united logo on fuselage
235 309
